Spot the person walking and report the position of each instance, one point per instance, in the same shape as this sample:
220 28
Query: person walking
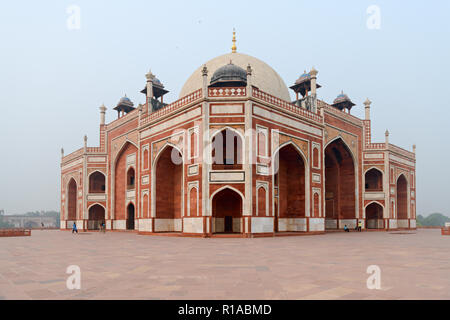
74 228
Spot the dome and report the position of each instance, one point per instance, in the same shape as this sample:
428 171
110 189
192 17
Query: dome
125 101
157 82
303 77
229 73
342 97
263 76
124 104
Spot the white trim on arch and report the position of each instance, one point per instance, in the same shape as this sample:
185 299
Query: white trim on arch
227 187
374 201
97 203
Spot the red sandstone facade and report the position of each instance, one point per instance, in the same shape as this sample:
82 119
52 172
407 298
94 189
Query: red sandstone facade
305 166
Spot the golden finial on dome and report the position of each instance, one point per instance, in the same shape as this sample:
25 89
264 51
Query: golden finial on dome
233 47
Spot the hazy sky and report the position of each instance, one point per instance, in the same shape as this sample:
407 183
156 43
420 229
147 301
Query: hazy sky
53 79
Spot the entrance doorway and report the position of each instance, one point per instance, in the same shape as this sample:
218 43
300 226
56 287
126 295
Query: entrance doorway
227 212
340 182
130 217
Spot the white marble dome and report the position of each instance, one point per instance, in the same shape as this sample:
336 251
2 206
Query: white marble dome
263 76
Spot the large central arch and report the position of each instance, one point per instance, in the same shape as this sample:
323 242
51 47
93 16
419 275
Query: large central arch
340 184
290 184
227 211
168 190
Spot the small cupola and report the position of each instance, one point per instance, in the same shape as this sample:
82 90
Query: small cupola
229 75
154 91
125 105
303 85
342 102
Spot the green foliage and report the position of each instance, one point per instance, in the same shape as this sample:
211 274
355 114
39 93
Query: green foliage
5 224
433 220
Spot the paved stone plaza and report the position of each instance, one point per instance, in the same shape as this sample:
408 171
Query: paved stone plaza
118 265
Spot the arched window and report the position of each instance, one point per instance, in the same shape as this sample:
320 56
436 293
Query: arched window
97 182
130 179
227 150
374 180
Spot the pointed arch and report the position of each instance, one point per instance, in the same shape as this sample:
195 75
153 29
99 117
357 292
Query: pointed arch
339 137
164 147
227 205
96 216
131 215
374 215
289 204
97 182
119 179
402 190
223 157
373 179
168 179
341 183
72 200
262 200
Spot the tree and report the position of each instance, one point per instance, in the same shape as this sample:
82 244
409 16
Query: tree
5 224
432 220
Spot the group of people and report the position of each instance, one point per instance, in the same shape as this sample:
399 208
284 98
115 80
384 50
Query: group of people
357 228
102 227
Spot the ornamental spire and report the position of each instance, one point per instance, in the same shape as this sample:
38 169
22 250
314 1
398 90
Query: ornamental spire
233 47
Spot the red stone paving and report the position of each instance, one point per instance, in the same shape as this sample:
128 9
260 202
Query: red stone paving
415 265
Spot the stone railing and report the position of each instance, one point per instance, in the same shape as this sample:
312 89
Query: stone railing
339 113
73 155
122 119
256 93
376 146
402 151
227 92
194 96
95 150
